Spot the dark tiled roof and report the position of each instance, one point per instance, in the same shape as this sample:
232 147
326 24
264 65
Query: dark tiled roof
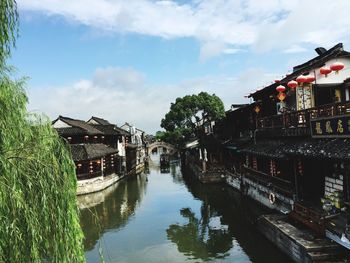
100 120
107 129
90 151
81 127
274 149
122 131
336 149
70 131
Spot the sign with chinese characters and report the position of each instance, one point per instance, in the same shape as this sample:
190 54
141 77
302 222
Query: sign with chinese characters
332 127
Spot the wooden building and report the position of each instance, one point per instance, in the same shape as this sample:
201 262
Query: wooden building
114 137
94 146
136 147
290 148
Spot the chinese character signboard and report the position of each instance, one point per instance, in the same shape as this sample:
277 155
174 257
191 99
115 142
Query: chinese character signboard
332 127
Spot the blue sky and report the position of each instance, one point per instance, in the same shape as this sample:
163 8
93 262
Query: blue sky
128 60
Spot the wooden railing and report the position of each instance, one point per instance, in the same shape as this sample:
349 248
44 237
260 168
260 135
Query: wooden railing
310 217
281 185
302 118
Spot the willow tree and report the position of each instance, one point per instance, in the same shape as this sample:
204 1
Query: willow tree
38 210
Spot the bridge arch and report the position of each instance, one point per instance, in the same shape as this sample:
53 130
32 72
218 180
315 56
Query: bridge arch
171 149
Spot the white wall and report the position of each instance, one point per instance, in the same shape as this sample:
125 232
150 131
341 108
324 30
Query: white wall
60 124
333 77
121 148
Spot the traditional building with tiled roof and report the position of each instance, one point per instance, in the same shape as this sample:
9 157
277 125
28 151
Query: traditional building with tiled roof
94 147
290 148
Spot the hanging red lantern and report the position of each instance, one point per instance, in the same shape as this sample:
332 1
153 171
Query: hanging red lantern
310 78
292 84
336 66
281 96
325 71
280 88
301 79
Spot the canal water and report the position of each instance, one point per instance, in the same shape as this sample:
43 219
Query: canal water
160 217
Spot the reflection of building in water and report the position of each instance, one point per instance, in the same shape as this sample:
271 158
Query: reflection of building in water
175 171
203 237
200 238
115 210
224 214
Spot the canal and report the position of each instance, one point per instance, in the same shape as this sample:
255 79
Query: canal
160 217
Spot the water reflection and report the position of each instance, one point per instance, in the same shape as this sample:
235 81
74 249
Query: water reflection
226 219
198 239
110 209
176 221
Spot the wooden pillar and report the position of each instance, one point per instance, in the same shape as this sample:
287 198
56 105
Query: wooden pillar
102 166
204 165
296 180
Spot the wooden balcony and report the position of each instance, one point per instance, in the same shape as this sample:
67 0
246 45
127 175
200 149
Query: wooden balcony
296 123
280 185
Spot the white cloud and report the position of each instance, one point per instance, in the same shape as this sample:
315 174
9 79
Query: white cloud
295 49
219 25
123 94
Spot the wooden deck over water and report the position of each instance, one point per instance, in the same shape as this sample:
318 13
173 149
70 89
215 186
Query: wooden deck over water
300 245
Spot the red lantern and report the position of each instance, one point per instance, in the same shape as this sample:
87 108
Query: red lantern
336 66
280 88
292 84
310 78
325 71
301 79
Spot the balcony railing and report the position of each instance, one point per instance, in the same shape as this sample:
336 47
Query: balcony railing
279 184
302 118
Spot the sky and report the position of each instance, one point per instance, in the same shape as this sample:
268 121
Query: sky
128 60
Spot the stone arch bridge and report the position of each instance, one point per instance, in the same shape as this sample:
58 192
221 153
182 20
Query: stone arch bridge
171 149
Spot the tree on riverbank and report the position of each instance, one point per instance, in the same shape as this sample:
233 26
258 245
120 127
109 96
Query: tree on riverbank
180 121
38 210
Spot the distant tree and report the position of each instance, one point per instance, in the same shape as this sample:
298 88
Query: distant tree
180 121
159 135
38 208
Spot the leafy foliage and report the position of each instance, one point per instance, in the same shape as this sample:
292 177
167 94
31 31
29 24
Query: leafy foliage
8 28
180 121
38 209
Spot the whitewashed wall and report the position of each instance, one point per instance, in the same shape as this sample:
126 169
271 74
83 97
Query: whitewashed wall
333 77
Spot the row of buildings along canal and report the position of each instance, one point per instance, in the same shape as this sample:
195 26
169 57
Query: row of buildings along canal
103 152
289 150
